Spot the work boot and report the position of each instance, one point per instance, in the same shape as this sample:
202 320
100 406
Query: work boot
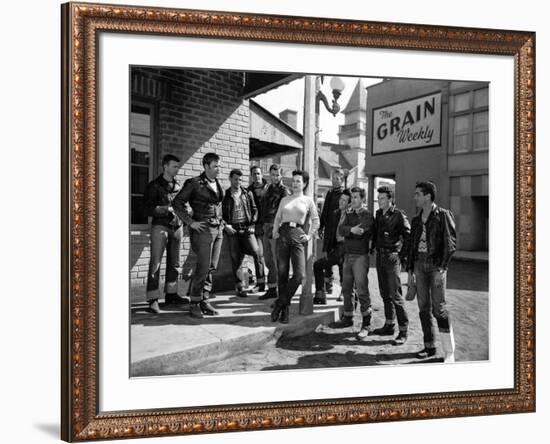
365 327
277 308
271 293
242 293
207 308
176 299
401 338
427 352
154 306
320 298
260 287
344 322
285 314
386 330
195 310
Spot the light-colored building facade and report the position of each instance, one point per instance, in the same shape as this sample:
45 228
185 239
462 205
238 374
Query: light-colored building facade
432 130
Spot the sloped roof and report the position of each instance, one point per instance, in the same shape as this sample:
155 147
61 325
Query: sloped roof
358 98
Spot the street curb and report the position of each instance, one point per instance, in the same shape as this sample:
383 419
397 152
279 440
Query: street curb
190 360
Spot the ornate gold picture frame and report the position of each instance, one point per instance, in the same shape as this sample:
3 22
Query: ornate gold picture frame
82 24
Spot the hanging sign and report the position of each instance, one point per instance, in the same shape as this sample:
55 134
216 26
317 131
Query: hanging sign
407 125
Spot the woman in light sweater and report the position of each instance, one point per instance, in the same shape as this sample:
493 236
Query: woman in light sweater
296 223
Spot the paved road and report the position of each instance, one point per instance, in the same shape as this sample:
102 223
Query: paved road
468 300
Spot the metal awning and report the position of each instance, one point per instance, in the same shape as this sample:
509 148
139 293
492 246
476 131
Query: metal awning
261 148
260 82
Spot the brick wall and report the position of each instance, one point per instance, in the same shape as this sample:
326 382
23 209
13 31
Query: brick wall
197 111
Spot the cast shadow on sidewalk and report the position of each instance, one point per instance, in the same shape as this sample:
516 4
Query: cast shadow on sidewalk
319 341
348 359
242 311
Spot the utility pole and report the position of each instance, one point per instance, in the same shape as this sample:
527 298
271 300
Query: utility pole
309 162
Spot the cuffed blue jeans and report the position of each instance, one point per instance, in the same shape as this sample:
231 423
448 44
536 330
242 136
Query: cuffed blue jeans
356 270
169 239
207 245
242 243
430 289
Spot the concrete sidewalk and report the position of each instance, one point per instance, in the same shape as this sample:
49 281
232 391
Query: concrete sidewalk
174 343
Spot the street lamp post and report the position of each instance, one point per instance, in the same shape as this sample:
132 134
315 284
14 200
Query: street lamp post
312 98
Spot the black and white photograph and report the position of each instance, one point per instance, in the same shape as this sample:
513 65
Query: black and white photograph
288 221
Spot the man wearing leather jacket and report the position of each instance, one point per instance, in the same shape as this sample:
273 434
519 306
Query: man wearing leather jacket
327 229
391 238
166 233
269 205
258 187
433 243
204 195
240 216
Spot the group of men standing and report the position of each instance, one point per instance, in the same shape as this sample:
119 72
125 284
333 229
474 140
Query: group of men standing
350 232
423 248
244 216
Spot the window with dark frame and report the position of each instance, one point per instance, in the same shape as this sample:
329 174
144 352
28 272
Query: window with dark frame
141 160
469 114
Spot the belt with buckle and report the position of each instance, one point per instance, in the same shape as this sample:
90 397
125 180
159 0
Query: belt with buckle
292 224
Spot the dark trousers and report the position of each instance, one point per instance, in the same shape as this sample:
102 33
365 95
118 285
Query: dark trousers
322 268
169 239
242 243
207 245
430 289
290 250
388 269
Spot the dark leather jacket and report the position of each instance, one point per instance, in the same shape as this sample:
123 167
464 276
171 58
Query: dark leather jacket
160 192
392 231
440 237
270 201
329 239
355 243
258 191
328 222
247 199
203 200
